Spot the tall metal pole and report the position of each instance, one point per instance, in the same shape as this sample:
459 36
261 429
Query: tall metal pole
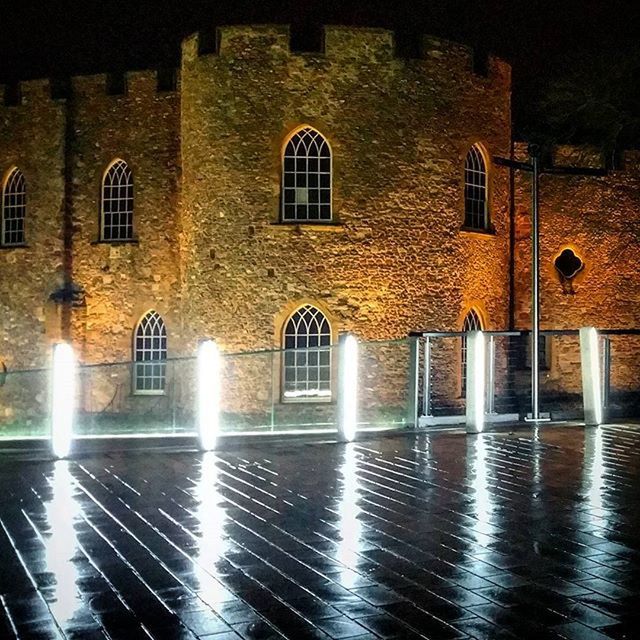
534 168
535 284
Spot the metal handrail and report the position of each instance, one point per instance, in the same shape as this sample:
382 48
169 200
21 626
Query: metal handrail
458 334
523 332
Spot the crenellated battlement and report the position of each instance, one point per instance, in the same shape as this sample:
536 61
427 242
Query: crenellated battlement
348 44
345 45
140 84
583 155
594 157
441 51
358 44
25 93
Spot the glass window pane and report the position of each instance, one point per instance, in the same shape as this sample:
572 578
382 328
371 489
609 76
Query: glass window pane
308 368
306 166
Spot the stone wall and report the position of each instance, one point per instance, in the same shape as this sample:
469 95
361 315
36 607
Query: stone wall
211 255
32 139
123 280
599 219
395 259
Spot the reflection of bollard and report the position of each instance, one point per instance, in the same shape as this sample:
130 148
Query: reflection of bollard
347 387
63 400
591 386
208 394
476 368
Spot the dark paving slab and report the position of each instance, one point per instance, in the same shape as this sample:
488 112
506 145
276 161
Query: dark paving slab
529 534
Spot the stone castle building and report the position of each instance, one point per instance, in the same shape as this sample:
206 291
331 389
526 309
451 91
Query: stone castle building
272 199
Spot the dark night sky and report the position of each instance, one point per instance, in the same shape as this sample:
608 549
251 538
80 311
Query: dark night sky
40 38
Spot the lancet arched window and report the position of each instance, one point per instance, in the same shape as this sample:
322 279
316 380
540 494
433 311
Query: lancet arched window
306 178
476 210
116 219
150 354
306 373
14 208
472 322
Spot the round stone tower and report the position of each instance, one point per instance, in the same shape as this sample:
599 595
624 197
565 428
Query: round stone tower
395 254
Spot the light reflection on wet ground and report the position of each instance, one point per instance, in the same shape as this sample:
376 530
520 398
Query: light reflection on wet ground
532 534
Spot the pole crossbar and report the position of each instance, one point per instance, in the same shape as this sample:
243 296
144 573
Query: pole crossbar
523 332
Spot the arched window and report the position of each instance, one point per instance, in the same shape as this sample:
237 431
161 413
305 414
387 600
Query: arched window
476 213
472 322
150 354
117 203
306 178
307 357
14 208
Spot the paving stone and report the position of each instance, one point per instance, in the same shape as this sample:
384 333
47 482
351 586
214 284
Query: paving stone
264 541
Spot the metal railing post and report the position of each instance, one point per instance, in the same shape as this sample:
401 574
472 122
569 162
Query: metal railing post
606 371
491 374
413 399
535 288
426 377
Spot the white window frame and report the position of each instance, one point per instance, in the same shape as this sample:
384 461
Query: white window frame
117 188
14 206
476 177
145 332
297 329
296 149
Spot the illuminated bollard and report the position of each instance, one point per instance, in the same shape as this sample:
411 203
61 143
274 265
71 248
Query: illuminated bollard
591 385
208 394
347 387
63 401
476 368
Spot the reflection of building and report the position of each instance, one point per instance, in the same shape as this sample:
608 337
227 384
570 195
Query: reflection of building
272 199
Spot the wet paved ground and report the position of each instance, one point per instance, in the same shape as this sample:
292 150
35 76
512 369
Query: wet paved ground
503 535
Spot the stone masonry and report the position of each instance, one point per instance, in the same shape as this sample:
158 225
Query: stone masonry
210 253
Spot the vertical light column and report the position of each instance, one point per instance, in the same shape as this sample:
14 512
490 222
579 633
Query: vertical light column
347 387
63 401
476 368
208 395
591 385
